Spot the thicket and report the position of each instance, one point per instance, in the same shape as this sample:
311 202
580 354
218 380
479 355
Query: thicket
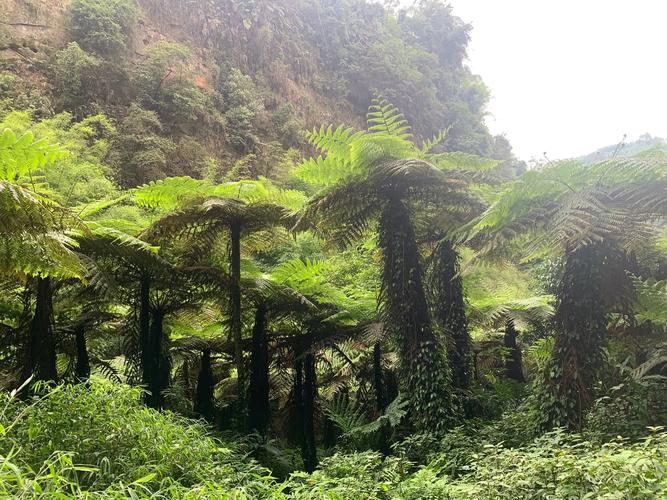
103 443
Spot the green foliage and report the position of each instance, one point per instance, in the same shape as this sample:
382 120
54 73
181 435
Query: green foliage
21 157
358 475
241 104
630 407
553 466
162 83
122 448
651 300
103 27
79 175
35 241
19 93
139 153
77 76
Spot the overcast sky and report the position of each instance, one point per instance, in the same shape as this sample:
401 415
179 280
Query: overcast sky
570 76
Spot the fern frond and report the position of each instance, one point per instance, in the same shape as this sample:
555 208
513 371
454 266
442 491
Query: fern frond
385 118
651 302
172 192
346 414
20 156
434 141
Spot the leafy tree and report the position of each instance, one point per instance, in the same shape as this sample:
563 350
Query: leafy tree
77 76
140 153
103 27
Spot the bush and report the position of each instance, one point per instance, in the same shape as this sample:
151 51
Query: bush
139 153
241 104
18 93
102 26
98 437
560 466
356 475
628 409
80 176
76 78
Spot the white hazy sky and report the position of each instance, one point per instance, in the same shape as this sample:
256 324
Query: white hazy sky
570 76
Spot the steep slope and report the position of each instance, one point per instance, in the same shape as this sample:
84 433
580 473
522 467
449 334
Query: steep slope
225 87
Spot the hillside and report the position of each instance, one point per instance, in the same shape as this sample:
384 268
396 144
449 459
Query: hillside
644 143
239 80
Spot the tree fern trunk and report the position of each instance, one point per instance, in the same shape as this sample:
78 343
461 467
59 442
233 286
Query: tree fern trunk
144 328
580 323
203 405
309 395
378 382
513 364
40 358
380 397
296 419
258 402
235 308
82 368
159 369
449 311
425 372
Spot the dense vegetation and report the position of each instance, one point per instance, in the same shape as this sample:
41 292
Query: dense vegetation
200 299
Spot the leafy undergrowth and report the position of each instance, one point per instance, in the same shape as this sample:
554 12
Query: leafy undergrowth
96 440
120 448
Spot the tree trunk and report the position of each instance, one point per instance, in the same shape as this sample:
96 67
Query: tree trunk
40 359
426 374
159 369
378 383
144 328
449 309
235 308
82 368
513 364
380 398
204 405
309 395
296 419
580 324
258 402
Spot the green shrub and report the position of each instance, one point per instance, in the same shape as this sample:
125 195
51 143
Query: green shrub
80 176
163 83
347 476
241 104
560 466
104 428
102 26
139 153
18 93
628 409
76 78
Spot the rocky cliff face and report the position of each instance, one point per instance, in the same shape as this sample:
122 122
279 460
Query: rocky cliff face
256 73
33 30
